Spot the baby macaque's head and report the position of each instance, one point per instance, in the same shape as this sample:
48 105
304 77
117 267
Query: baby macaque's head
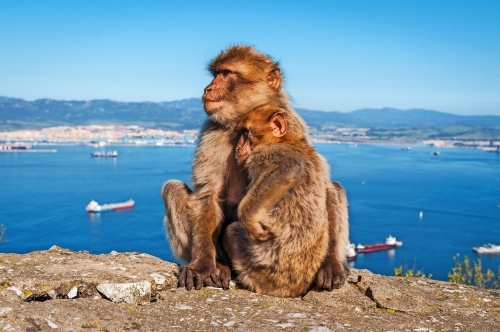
262 125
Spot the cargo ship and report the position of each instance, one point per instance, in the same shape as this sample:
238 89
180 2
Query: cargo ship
390 243
93 206
103 154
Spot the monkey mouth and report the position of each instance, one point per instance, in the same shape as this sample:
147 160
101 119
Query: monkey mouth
212 105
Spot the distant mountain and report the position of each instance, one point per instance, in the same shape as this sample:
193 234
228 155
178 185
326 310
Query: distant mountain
18 113
189 114
386 118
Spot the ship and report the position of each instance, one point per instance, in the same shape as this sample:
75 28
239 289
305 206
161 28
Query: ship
390 243
93 206
351 252
104 154
15 147
487 249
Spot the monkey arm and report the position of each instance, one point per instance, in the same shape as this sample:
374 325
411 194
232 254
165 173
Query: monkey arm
265 192
204 211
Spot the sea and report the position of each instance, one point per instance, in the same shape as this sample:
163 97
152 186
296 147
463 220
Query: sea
43 198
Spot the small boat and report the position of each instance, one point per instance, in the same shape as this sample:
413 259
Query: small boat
487 249
390 243
15 146
406 149
351 252
435 153
93 206
104 154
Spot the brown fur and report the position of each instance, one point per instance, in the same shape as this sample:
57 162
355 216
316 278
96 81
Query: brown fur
282 237
243 80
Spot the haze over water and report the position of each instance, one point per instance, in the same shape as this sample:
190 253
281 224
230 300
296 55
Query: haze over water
43 201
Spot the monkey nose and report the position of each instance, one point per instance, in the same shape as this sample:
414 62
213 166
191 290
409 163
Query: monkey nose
207 89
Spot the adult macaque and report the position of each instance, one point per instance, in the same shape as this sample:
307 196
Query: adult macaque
243 80
282 237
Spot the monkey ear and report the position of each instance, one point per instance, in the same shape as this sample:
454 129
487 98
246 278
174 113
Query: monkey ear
279 125
274 78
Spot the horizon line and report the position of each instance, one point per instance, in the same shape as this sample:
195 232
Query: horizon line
301 108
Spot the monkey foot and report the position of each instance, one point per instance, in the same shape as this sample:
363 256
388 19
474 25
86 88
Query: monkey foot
331 275
188 276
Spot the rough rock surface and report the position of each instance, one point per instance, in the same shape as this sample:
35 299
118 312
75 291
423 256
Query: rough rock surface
59 289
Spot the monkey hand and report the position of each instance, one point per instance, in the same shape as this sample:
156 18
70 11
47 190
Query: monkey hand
263 233
331 275
199 275
256 229
259 232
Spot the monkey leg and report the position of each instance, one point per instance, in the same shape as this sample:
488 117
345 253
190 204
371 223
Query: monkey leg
334 270
236 245
176 196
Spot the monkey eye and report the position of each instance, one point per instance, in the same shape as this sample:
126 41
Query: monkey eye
225 72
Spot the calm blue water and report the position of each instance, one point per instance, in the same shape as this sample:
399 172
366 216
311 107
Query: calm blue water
43 199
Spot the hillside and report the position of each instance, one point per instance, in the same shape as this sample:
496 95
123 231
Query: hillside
20 114
188 114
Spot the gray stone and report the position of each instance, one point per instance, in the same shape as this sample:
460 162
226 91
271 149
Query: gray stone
52 324
72 293
5 310
159 278
130 293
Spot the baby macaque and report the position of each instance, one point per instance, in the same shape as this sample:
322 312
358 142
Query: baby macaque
282 236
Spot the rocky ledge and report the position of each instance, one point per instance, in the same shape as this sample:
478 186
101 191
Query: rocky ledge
65 290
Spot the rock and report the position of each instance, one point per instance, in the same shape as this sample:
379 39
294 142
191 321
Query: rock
320 329
5 310
130 293
285 325
60 288
394 295
183 307
347 297
17 291
51 324
159 279
72 293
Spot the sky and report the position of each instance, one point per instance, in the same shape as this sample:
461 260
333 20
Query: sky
336 55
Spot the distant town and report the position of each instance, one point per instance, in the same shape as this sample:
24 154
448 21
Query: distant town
101 135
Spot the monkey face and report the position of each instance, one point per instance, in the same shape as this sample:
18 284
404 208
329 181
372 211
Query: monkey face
243 79
218 93
230 95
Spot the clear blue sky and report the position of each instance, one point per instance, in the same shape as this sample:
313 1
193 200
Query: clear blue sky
337 55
